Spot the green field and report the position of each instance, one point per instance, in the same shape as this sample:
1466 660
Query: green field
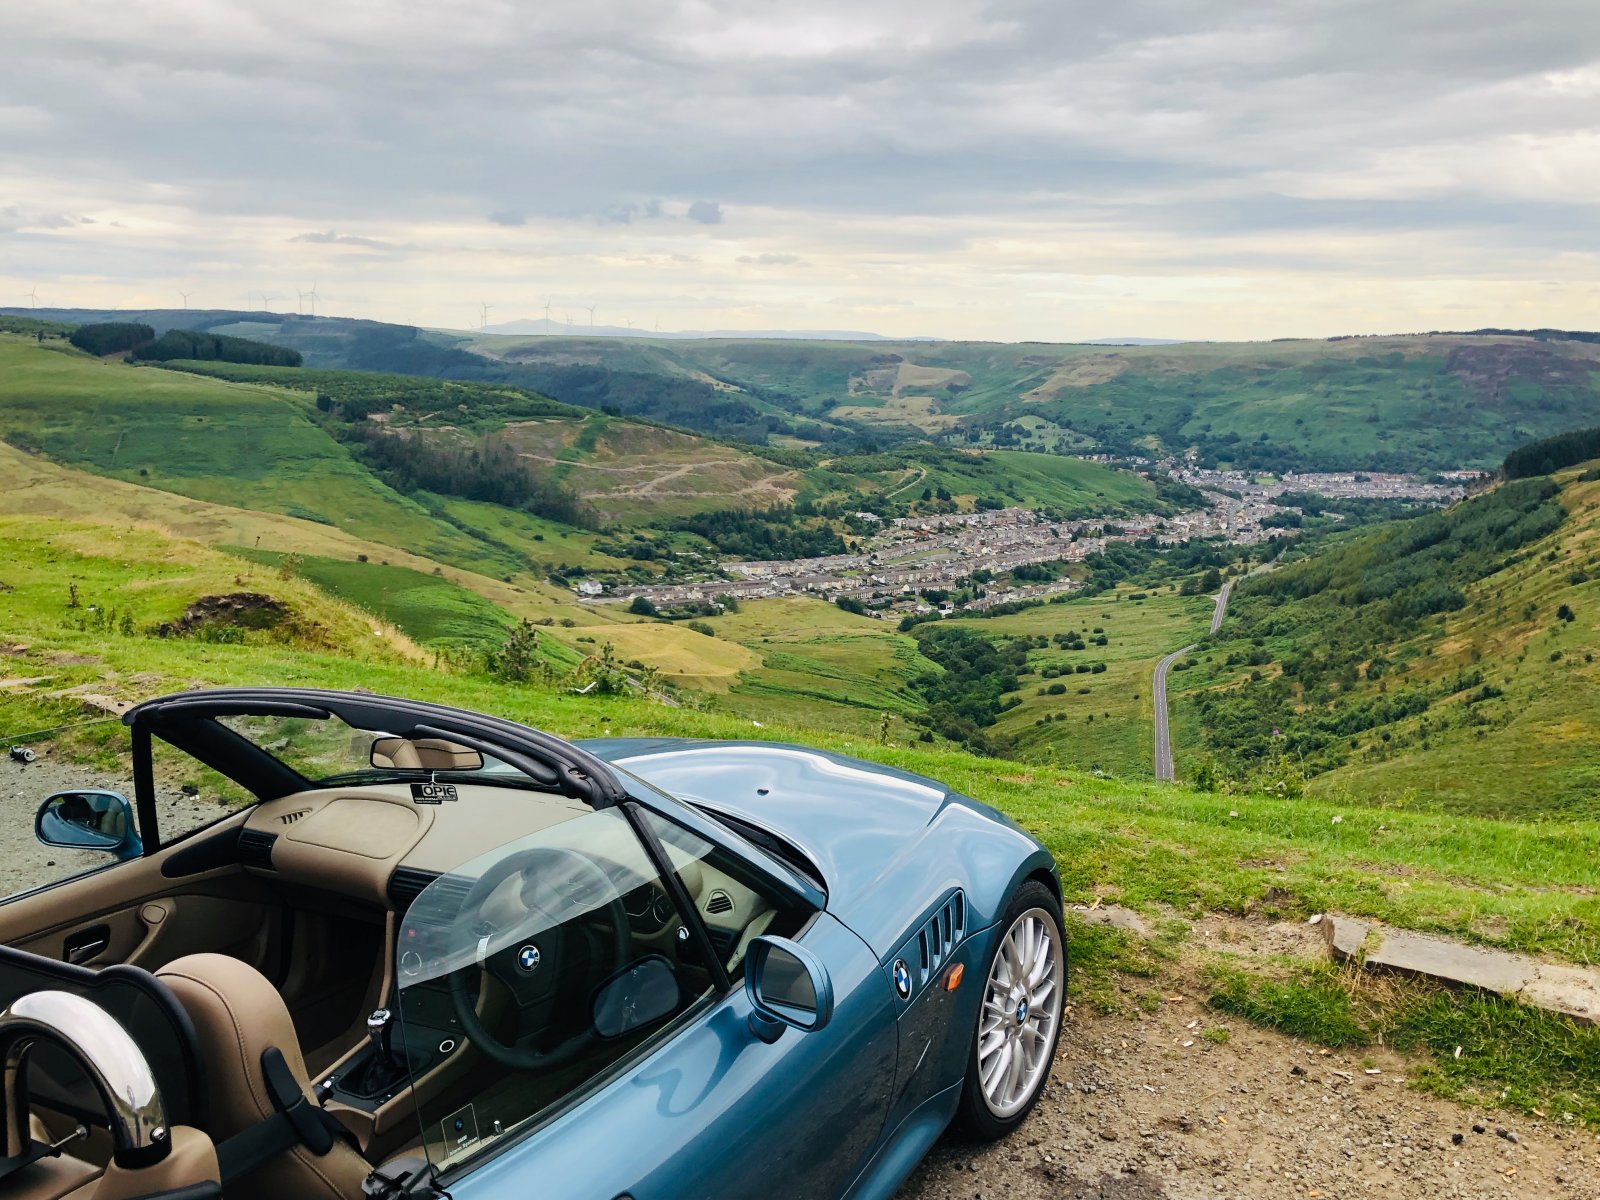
1101 721
428 608
819 667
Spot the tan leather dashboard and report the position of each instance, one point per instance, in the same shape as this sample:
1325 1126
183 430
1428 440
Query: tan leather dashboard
350 840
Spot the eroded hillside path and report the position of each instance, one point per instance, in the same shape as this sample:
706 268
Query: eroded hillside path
1133 1113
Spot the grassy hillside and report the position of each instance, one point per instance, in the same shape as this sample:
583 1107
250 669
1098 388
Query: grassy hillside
91 585
226 443
1178 855
1444 662
1529 885
1393 403
1416 402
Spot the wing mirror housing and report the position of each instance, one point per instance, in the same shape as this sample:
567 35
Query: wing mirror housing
89 820
788 988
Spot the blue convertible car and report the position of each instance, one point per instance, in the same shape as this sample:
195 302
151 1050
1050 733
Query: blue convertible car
417 951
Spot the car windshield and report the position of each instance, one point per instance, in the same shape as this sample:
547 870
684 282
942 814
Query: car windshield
328 750
528 973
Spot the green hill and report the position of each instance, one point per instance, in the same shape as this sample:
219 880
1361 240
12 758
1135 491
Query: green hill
1407 403
1444 662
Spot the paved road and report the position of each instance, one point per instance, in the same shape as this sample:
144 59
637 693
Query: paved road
1163 759
1163 732
1222 606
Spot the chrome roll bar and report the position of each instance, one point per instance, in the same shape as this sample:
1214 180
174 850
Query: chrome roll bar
108 1055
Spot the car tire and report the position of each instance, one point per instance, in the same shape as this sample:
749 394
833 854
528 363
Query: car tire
987 1113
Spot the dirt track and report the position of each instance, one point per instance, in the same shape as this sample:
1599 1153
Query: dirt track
1133 1114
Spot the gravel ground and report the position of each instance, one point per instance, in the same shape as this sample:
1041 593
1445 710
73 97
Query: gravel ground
1132 1113
24 863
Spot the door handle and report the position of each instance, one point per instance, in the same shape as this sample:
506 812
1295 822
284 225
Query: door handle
86 944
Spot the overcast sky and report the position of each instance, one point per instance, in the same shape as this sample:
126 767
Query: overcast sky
1039 169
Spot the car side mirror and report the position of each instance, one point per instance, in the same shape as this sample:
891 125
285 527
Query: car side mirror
89 820
788 988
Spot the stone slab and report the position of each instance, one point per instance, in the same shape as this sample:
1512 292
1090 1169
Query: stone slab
1572 991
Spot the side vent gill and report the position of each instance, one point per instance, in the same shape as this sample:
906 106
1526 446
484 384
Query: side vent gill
292 817
719 903
940 935
255 848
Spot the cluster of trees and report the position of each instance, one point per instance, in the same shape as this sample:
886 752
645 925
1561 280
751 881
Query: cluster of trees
355 395
191 344
482 470
1551 454
968 696
111 337
753 534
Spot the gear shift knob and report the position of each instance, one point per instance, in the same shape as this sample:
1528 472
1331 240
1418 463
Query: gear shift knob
378 1025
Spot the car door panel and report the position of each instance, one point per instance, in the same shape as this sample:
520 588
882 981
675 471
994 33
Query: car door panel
716 1113
140 912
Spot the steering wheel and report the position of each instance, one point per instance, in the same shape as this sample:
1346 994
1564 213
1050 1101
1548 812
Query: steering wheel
517 965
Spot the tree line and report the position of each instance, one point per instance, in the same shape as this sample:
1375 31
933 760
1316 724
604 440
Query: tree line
139 341
484 470
1551 454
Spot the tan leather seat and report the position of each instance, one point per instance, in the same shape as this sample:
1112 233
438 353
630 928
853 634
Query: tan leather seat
237 1015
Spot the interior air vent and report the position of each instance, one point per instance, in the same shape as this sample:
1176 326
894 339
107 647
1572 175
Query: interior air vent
255 848
720 902
291 818
406 884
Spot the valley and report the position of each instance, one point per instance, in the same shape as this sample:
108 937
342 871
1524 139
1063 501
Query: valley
1393 721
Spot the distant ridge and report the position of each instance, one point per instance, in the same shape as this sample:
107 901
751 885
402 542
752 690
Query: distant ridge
540 327
1135 341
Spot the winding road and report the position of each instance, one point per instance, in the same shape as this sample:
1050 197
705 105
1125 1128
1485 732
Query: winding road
1163 758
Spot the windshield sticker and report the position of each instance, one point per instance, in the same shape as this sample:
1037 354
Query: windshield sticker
433 793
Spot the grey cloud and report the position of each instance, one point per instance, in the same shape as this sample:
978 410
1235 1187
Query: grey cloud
707 212
770 260
1160 118
333 238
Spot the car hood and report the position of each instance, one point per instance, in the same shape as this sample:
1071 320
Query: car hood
855 819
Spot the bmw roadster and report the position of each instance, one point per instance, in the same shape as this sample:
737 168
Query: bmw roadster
422 952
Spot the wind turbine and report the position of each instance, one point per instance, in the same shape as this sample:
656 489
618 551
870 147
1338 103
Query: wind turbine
483 314
592 307
185 296
33 297
267 298
311 296
568 316
547 313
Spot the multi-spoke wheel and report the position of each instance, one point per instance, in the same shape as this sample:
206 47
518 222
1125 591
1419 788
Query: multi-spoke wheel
1019 1022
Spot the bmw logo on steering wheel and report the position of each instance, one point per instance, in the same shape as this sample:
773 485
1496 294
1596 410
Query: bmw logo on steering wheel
528 957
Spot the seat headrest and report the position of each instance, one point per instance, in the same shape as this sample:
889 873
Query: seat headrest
237 1014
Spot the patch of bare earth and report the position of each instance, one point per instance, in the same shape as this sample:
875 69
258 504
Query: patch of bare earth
1147 1108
